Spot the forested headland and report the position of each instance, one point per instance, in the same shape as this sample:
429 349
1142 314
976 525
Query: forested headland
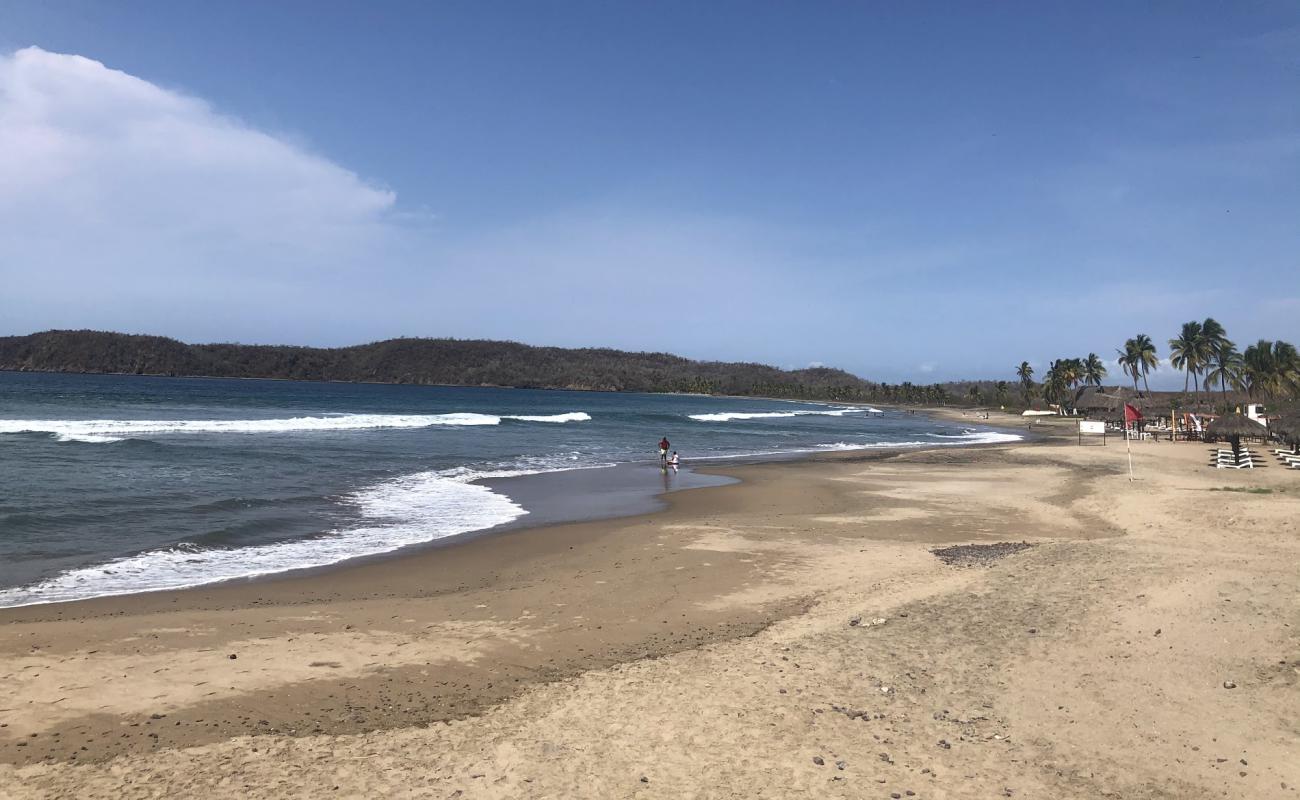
426 361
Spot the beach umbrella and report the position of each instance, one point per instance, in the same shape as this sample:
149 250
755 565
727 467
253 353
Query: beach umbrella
1234 426
1289 429
1237 425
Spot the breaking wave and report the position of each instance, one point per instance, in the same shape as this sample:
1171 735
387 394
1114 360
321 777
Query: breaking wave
115 430
728 416
413 509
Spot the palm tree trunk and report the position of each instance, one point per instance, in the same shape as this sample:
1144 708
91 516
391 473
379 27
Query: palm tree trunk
1146 385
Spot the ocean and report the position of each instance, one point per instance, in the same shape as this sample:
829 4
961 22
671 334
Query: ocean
120 484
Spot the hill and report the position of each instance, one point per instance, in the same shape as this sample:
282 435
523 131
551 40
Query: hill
425 361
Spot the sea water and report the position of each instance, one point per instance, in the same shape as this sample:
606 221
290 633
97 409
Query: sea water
121 484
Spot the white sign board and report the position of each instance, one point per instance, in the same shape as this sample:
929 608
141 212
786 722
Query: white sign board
1092 426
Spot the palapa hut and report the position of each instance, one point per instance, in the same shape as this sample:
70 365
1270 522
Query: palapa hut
1288 428
1234 426
1095 401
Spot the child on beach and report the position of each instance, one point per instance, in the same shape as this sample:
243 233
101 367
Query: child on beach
672 462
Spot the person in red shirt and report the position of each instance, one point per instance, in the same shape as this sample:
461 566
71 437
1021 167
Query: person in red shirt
663 449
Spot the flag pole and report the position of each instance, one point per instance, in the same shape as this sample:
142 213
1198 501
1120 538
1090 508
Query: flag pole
1131 416
1128 445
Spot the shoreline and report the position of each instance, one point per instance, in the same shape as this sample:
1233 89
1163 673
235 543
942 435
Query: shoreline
715 647
558 507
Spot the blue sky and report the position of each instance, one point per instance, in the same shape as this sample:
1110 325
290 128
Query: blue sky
910 191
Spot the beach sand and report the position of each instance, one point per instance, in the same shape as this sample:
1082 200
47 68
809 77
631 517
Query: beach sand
792 635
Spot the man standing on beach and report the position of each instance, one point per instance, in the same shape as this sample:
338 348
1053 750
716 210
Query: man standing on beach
663 449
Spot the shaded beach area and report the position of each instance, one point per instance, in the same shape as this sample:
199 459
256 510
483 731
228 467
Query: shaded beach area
791 633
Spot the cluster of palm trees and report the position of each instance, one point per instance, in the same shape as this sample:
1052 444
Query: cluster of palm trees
1265 370
1062 377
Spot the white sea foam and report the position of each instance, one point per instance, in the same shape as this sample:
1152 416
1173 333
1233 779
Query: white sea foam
971 437
412 509
728 416
572 416
409 510
975 437
113 430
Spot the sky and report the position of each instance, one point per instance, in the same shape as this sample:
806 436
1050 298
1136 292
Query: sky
919 191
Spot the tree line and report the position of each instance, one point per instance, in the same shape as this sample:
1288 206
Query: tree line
424 361
459 362
1266 370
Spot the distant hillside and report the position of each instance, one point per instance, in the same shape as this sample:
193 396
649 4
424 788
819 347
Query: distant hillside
425 361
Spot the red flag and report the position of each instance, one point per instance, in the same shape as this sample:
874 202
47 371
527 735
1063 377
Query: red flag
1131 414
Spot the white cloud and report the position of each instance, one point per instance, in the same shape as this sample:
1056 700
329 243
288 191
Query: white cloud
115 190
125 205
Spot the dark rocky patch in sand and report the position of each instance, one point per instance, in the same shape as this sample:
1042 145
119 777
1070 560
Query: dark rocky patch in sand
971 555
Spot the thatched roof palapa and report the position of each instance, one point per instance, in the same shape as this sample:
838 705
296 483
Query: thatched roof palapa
1287 427
1236 425
1093 398
1096 401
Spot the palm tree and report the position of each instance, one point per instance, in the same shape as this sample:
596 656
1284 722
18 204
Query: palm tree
1146 357
1000 392
1213 338
1225 369
1258 372
1055 382
1269 369
1128 361
1071 371
1288 360
1026 375
1093 370
1183 351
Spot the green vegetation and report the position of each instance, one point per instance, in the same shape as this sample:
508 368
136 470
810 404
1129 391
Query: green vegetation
1026 375
1139 358
456 362
1093 370
1267 370
426 361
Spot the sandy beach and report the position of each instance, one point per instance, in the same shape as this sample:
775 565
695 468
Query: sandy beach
791 635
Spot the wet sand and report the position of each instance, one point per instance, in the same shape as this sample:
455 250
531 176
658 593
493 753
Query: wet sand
722 647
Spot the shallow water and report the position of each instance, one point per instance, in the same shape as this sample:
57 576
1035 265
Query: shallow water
118 484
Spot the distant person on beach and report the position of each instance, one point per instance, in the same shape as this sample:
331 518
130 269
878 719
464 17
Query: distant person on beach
663 449
673 461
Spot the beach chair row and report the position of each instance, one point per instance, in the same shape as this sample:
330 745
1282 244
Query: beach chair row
1288 457
1245 459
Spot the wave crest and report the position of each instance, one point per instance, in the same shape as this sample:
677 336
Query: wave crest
572 416
728 416
409 510
115 430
